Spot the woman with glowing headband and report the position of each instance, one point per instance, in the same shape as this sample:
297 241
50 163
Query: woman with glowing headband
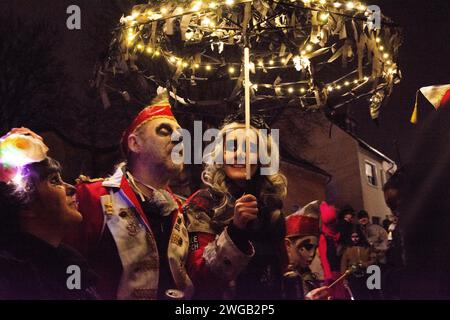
36 209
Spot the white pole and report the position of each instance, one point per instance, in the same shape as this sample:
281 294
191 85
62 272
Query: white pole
247 110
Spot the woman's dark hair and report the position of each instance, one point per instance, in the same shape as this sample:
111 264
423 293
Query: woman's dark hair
13 199
362 242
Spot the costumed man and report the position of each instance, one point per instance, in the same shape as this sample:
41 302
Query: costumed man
302 238
133 232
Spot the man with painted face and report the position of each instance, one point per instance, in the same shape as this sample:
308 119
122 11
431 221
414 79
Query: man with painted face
302 237
133 232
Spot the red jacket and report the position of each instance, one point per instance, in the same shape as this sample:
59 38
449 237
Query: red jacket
95 241
214 259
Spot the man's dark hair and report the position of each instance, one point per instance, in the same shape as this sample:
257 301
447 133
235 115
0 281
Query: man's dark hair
362 214
347 209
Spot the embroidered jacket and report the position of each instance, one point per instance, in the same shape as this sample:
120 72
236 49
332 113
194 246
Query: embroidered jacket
118 240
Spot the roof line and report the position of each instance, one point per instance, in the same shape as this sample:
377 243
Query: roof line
288 157
362 143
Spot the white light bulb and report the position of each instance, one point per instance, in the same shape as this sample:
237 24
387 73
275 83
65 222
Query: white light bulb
206 21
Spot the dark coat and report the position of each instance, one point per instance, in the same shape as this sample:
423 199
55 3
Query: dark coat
31 269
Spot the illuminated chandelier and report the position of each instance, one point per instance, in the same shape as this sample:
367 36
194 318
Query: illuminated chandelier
314 54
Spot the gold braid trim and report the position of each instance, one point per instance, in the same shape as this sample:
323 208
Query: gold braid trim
86 179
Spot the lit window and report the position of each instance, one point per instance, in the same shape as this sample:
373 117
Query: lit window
371 174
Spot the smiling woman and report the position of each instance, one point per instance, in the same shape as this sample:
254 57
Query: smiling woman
37 209
246 217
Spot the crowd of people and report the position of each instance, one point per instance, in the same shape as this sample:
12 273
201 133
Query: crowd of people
132 238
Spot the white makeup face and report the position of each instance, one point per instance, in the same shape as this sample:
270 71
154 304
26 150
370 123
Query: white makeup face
234 153
155 144
302 251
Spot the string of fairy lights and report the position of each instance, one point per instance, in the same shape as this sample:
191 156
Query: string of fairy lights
138 32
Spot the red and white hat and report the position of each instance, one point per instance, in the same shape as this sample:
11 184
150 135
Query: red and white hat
149 113
305 222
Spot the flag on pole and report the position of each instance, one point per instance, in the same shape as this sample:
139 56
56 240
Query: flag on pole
436 95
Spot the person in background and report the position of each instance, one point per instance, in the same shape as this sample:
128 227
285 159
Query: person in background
37 208
375 235
359 255
424 210
386 223
346 225
330 250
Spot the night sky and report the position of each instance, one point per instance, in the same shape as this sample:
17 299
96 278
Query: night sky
424 60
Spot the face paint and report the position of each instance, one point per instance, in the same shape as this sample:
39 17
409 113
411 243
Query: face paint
156 144
302 251
234 154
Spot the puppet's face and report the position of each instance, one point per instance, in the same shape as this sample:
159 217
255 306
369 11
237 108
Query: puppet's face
153 145
234 154
301 251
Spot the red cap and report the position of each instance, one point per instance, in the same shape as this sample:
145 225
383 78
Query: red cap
298 225
149 113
